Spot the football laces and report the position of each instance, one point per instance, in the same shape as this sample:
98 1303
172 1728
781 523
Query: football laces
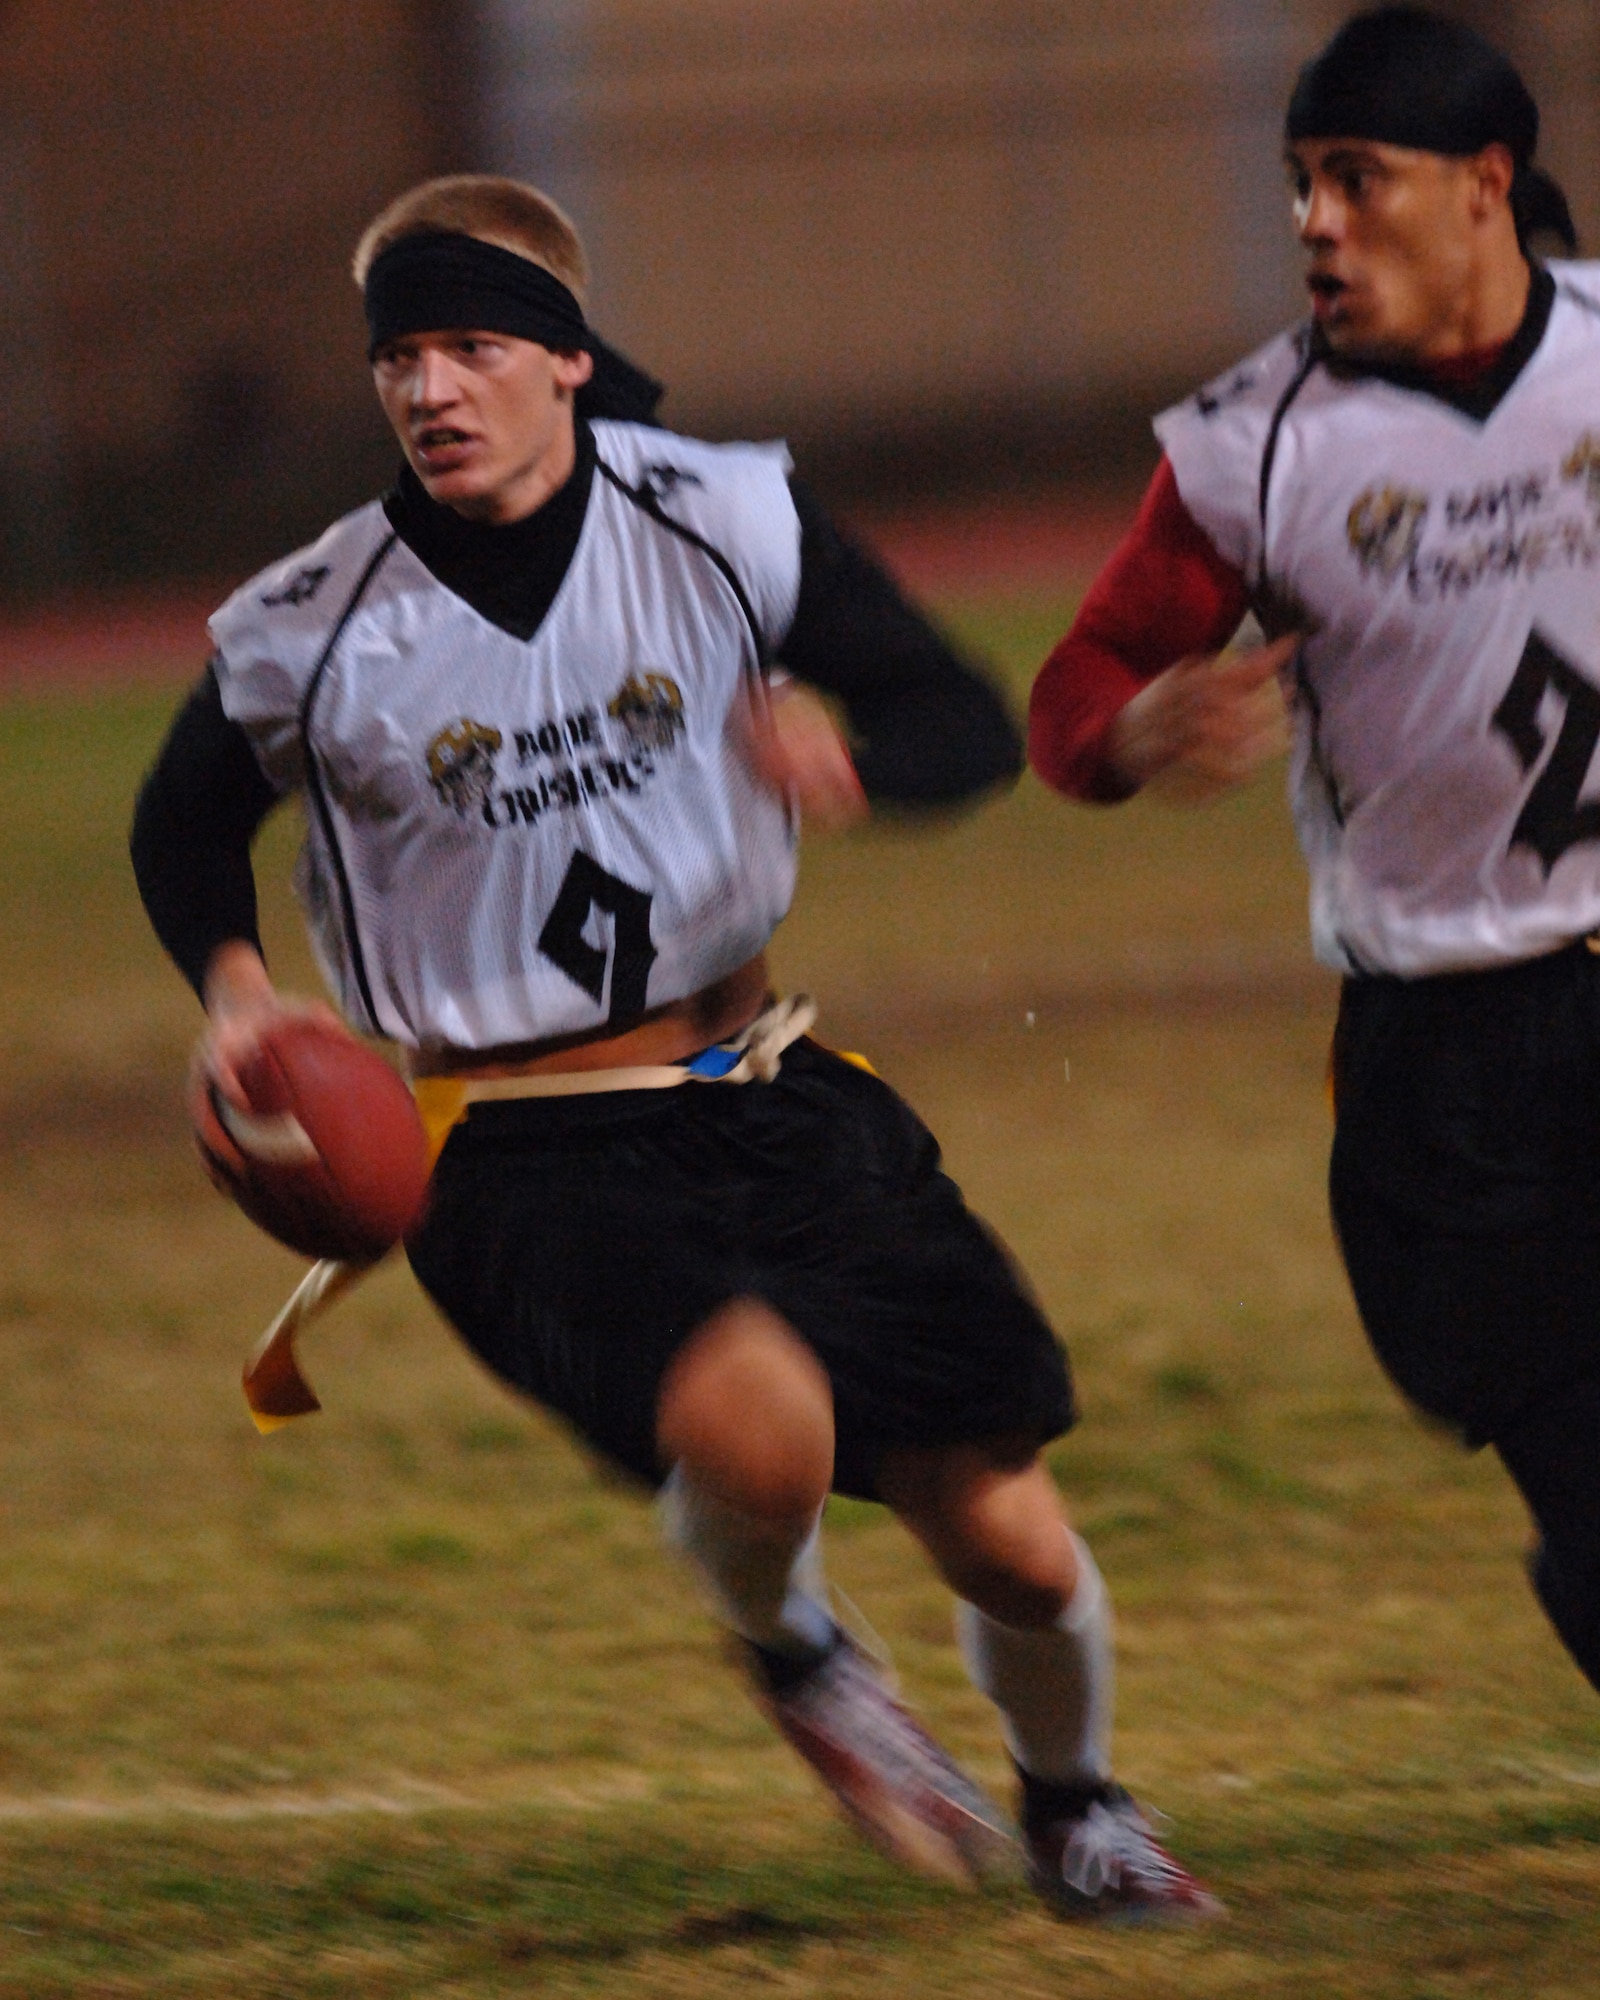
278 1139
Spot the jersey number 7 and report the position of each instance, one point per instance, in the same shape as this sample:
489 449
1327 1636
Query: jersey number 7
1552 818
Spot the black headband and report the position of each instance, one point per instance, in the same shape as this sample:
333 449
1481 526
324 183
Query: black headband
1405 77
442 280
1402 76
428 283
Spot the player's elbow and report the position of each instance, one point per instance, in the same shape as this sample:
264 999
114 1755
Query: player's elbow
992 753
949 753
1048 755
152 834
1070 712
1055 737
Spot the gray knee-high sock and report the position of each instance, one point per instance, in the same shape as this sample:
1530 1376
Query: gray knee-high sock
767 1588
1053 1687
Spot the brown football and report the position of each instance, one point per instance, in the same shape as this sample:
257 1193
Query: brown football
330 1158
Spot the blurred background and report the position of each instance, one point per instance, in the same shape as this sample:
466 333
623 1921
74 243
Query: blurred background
943 245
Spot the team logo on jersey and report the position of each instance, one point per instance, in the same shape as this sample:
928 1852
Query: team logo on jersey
1216 396
660 480
461 763
301 587
1583 462
650 708
1385 528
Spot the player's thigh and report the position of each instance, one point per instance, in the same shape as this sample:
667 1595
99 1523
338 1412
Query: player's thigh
928 1331
1473 1325
576 1256
1552 1451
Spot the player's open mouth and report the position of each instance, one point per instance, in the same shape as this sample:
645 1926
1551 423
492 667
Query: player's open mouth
1326 291
442 446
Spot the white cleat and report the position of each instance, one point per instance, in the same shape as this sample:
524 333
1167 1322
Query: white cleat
903 1792
1105 1862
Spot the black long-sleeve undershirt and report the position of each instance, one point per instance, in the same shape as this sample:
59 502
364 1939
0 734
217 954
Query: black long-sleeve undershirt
197 814
929 729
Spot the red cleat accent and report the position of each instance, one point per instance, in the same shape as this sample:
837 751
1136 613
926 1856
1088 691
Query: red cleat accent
1105 1862
901 1790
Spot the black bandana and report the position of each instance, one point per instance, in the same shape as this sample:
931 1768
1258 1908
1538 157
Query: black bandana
1402 76
442 279
428 283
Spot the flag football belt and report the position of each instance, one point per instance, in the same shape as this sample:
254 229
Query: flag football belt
752 1056
274 1387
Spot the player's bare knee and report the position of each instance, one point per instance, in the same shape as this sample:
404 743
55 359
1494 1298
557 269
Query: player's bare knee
994 1525
747 1410
1019 1584
1009 1592
755 1463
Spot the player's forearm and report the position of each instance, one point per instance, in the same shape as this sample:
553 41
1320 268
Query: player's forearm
1164 596
198 896
197 812
952 741
236 980
1081 691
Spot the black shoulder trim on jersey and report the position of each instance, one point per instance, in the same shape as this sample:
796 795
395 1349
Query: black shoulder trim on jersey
1319 754
647 503
1579 299
1309 357
314 785
1357 969
1479 399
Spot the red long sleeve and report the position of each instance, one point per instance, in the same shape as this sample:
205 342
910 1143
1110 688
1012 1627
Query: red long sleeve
1164 595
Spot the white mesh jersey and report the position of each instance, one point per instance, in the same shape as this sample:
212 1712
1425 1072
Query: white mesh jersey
512 839
1447 696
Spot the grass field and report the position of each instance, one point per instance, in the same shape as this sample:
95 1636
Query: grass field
404 1700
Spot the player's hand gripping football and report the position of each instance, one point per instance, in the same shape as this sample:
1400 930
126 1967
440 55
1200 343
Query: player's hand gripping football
794 744
241 1001
1206 724
306 1128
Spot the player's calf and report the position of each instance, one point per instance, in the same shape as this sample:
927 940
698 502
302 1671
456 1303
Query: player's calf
1090 1851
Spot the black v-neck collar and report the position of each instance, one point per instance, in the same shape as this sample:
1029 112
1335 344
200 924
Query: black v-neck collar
1478 399
509 575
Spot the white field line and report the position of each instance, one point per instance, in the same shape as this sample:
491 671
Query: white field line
411 1797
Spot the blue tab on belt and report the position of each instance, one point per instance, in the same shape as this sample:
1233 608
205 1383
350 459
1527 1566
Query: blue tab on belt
713 1063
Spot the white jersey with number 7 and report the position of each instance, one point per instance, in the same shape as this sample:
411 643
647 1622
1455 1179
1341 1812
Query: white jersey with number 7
1445 570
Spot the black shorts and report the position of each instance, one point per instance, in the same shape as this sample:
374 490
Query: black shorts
576 1242
1465 1182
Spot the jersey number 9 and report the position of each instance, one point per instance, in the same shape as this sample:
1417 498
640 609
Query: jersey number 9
588 887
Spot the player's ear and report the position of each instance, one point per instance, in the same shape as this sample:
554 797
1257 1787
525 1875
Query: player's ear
572 370
1492 171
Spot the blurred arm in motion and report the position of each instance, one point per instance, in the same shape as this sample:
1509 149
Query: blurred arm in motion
1136 691
198 813
928 729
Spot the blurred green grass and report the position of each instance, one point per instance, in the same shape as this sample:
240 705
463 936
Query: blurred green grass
406 1700
1031 900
